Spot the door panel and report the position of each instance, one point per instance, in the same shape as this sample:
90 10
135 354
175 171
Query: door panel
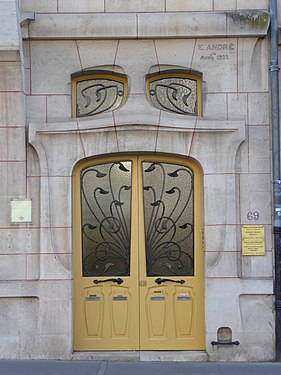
106 256
138 259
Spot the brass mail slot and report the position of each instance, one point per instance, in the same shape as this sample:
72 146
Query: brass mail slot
119 298
157 298
184 298
92 298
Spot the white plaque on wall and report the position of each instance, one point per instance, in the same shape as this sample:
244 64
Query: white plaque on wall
21 211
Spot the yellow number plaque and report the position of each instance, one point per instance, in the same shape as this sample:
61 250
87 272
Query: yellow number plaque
253 240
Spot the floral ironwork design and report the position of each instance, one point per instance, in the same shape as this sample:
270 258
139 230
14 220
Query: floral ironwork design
106 211
94 96
175 94
169 227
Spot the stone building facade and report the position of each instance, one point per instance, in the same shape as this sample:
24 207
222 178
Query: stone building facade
225 44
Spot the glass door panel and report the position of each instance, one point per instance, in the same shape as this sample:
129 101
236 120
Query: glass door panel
106 219
168 217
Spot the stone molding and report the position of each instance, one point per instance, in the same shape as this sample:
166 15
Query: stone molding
253 23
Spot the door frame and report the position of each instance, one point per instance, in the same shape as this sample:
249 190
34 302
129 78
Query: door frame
198 216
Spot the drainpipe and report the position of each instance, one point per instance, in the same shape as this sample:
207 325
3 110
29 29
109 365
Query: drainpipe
274 72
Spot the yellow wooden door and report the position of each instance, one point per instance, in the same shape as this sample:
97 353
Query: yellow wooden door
138 258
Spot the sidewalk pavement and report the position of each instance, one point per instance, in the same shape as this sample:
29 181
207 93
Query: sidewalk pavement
48 367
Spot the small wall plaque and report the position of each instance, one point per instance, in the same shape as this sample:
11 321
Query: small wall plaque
21 211
253 240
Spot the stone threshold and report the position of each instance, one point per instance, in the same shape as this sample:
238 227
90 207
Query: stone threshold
159 356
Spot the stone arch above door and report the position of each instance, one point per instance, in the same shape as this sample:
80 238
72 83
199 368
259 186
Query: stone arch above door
60 146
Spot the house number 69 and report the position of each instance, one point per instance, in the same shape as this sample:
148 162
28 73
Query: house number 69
253 215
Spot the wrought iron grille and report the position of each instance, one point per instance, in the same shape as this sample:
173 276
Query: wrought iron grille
175 94
168 191
106 219
96 95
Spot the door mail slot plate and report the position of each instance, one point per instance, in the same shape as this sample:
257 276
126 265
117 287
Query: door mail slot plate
119 298
92 298
157 298
184 298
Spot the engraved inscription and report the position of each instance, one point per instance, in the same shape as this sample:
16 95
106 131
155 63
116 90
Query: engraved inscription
216 51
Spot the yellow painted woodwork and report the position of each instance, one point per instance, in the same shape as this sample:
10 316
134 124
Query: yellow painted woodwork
139 314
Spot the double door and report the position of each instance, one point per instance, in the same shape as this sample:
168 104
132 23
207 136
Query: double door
138 257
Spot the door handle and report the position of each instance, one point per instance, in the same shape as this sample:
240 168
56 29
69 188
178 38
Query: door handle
159 281
118 281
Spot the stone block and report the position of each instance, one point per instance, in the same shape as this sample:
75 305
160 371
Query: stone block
221 264
138 111
9 55
220 238
58 108
215 106
224 306
201 24
9 346
13 267
26 53
15 178
255 195
76 26
52 63
105 141
8 102
242 156
134 6
252 348
33 192
57 240
194 6
62 151
257 266
26 82
97 53
49 6
52 268
218 154
33 166
252 4
237 106
144 57
259 152
128 142
12 144
10 76
257 313
258 108
60 201
220 197
224 4
252 65
34 346
248 22
173 142
176 52
56 316
80 6
19 240
9 30
33 266
217 58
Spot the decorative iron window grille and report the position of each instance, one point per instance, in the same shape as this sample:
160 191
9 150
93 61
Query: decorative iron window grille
97 93
106 219
175 92
169 219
